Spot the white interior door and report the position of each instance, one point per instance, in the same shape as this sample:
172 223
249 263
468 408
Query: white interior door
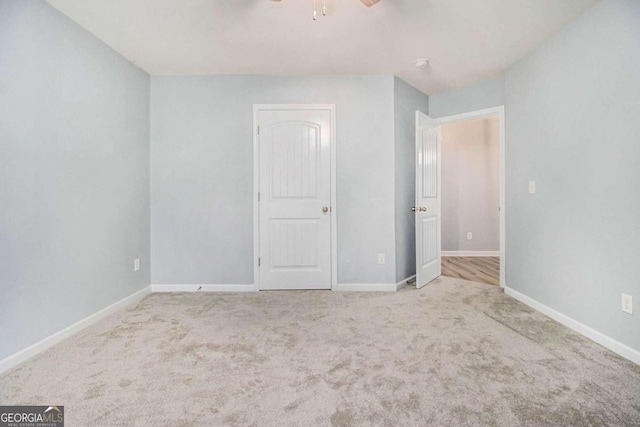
427 208
294 148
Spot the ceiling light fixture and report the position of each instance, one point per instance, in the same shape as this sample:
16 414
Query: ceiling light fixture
324 9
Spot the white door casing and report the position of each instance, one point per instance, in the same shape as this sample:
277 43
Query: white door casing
295 197
427 207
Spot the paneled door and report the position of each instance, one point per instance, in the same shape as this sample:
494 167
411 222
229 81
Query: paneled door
427 208
294 197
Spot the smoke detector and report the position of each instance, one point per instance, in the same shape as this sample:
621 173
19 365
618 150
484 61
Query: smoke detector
421 63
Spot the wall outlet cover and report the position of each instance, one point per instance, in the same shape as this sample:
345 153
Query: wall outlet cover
381 259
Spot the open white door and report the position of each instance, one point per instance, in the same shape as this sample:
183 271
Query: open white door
427 208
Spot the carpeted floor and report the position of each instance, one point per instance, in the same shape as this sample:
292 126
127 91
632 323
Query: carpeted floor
453 353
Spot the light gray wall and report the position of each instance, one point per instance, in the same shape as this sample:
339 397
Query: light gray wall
471 185
406 100
486 94
573 109
74 156
202 184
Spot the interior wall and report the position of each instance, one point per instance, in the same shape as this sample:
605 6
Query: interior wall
406 100
485 94
202 173
572 126
74 167
471 185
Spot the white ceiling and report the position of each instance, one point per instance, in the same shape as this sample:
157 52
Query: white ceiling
464 40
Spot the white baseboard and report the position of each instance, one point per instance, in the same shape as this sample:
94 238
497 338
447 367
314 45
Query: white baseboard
367 287
401 284
471 253
202 288
602 339
27 353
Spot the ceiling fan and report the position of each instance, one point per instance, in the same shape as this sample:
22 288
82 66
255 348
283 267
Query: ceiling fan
367 3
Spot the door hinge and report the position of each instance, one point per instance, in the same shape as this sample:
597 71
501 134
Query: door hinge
258 129
258 261
258 196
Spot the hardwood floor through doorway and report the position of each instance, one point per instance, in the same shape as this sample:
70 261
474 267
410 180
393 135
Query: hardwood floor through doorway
477 269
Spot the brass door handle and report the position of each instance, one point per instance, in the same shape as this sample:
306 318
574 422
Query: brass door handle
422 209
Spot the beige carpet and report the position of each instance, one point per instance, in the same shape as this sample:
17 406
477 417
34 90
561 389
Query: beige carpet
453 353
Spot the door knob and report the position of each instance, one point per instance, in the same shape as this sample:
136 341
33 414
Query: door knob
325 209
423 209
413 209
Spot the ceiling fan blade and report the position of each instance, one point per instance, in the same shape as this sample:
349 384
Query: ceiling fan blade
369 3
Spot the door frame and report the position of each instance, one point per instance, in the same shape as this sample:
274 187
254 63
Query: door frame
256 185
493 111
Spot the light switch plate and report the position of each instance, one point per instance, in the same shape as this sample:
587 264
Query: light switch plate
532 187
627 303
136 264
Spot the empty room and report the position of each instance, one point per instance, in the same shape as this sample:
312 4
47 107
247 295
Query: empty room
319 212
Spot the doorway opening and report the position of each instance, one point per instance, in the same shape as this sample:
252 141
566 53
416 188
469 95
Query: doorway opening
473 226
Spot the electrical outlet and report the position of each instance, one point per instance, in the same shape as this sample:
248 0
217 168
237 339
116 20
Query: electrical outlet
136 264
469 235
532 187
627 303
381 259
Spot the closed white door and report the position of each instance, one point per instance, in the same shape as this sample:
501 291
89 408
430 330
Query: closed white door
427 209
294 148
